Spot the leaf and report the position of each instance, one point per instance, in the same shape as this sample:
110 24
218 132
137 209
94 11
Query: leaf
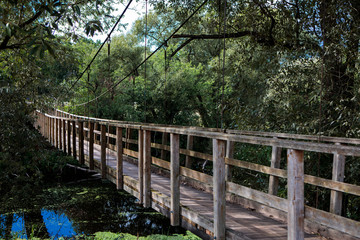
83 192
69 21
77 10
8 29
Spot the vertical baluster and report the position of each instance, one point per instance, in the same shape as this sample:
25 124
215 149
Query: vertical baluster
103 151
141 165
81 142
229 154
91 146
275 163
119 167
337 175
175 179
69 137
295 159
74 139
147 168
64 134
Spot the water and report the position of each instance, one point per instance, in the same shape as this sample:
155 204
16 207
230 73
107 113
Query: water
66 210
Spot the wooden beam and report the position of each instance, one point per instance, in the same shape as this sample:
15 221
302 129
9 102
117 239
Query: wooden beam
147 169
219 188
69 137
141 165
56 135
295 159
189 146
91 145
229 154
103 151
64 134
275 163
81 142
119 166
175 180
60 133
74 139
337 175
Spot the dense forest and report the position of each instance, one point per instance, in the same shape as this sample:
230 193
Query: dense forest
287 66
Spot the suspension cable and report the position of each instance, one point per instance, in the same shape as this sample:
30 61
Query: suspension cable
102 45
148 57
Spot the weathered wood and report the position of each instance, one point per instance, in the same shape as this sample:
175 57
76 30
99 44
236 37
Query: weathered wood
140 165
275 163
74 139
229 154
103 151
53 131
219 188
175 180
91 145
338 172
164 141
189 146
147 169
119 166
68 137
295 159
64 134
81 142
56 129
60 133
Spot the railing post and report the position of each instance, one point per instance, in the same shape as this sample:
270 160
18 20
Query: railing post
49 129
81 142
74 138
175 179
64 134
147 168
219 188
60 134
68 137
103 151
229 154
275 163
337 175
91 146
164 141
119 167
56 123
141 165
52 131
295 172
189 146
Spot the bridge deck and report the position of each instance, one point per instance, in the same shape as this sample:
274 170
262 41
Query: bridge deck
243 223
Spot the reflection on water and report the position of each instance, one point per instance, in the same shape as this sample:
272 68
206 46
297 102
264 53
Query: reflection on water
82 208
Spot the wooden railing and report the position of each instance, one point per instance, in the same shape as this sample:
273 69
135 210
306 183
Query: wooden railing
98 131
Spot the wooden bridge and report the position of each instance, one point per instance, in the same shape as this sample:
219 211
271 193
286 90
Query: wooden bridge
212 207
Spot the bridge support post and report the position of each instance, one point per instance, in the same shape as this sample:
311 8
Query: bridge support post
64 134
56 123
219 188
147 168
49 129
141 165
103 151
119 167
74 138
81 142
275 163
229 154
68 137
91 145
189 146
60 134
295 191
175 179
337 175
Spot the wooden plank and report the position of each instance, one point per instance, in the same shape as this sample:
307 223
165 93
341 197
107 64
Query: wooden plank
295 189
175 180
147 169
81 142
56 126
74 139
60 134
164 141
68 137
91 146
201 177
229 154
53 131
337 175
189 146
64 135
141 165
103 151
275 163
119 155
219 188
